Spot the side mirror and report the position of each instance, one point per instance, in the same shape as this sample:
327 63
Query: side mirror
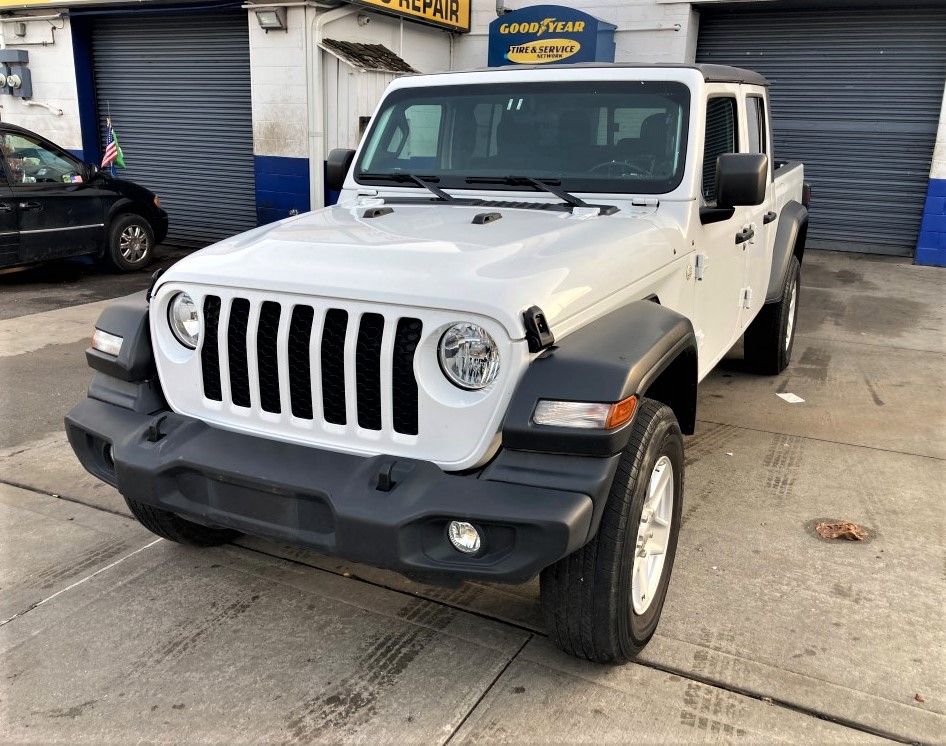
336 168
741 179
94 171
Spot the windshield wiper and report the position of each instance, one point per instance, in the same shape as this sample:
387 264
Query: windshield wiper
552 186
425 181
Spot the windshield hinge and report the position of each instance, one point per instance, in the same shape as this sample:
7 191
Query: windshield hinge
645 202
538 334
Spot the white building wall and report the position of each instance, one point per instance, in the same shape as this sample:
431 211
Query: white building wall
281 65
938 169
52 69
647 30
279 87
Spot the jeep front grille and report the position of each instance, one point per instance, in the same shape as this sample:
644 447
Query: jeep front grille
316 356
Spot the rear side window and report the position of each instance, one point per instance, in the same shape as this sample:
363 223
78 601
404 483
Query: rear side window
720 138
755 118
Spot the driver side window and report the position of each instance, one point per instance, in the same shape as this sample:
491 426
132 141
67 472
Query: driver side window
31 162
720 138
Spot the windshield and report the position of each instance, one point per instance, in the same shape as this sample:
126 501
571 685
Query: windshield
589 136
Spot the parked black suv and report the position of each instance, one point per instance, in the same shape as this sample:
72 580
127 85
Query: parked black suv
52 205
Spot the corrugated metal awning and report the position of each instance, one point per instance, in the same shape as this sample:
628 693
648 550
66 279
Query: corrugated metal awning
368 57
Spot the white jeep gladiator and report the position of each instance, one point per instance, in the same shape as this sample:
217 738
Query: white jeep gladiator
480 363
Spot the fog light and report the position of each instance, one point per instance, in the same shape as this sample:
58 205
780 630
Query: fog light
464 537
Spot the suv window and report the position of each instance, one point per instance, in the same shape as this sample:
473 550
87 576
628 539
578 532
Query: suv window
598 136
755 118
31 162
720 138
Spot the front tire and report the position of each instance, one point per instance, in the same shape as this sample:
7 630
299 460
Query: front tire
604 601
770 337
172 527
130 243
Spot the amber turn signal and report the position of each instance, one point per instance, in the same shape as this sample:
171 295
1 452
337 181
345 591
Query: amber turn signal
621 412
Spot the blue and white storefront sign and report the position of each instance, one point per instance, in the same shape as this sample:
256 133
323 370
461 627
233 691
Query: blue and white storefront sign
547 34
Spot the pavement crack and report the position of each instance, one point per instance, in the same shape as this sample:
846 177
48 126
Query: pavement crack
77 583
432 595
827 440
58 496
773 701
488 689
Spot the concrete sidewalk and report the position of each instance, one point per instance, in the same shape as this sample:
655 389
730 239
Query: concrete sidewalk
769 632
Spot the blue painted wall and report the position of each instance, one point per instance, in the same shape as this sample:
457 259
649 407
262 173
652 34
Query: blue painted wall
282 185
931 246
85 85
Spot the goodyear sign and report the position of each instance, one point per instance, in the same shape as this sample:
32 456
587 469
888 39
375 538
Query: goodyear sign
450 14
545 34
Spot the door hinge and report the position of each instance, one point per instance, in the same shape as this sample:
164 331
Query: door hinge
747 297
700 266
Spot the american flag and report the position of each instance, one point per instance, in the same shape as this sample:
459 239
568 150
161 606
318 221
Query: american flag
113 153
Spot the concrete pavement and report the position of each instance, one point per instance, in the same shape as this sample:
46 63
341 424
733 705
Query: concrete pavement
769 632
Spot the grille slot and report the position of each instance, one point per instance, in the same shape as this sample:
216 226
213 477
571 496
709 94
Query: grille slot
368 370
267 364
333 366
403 382
209 353
236 352
300 377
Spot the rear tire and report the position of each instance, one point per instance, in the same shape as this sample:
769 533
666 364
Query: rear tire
604 601
771 335
130 243
172 527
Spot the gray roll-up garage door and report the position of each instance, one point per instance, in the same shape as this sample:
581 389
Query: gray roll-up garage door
856 95
178 88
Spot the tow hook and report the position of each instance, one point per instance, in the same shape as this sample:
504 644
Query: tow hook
154 429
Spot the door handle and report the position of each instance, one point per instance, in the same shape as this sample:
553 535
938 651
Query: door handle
4 207
746 234
769 217
31 206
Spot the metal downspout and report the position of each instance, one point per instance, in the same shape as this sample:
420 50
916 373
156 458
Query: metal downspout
317 103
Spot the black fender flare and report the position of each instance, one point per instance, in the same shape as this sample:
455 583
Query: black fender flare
128 318
789 241
636 350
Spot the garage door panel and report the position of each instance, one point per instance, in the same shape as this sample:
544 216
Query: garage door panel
856 95
178 89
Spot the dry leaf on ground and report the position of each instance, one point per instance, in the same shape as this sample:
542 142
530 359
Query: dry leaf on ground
841 530
919 698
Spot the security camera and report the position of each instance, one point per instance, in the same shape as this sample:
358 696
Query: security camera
364 20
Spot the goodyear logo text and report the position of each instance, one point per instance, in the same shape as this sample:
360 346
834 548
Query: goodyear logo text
547 25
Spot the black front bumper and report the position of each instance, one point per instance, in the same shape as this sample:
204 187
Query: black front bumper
531 509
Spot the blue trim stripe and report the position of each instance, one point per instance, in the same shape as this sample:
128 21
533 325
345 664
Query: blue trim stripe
282 184
931 246
85 86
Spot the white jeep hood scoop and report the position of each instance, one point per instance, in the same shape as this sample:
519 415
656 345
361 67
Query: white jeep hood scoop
433 255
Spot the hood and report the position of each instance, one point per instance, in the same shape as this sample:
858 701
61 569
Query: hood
433 255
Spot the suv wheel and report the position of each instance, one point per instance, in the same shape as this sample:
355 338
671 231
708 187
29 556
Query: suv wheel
771 335
604 601
172 527
130 243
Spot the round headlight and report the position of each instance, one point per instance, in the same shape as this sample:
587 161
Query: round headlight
468 356
183 319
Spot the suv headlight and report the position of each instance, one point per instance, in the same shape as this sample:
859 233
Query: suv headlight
468 356
183 320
